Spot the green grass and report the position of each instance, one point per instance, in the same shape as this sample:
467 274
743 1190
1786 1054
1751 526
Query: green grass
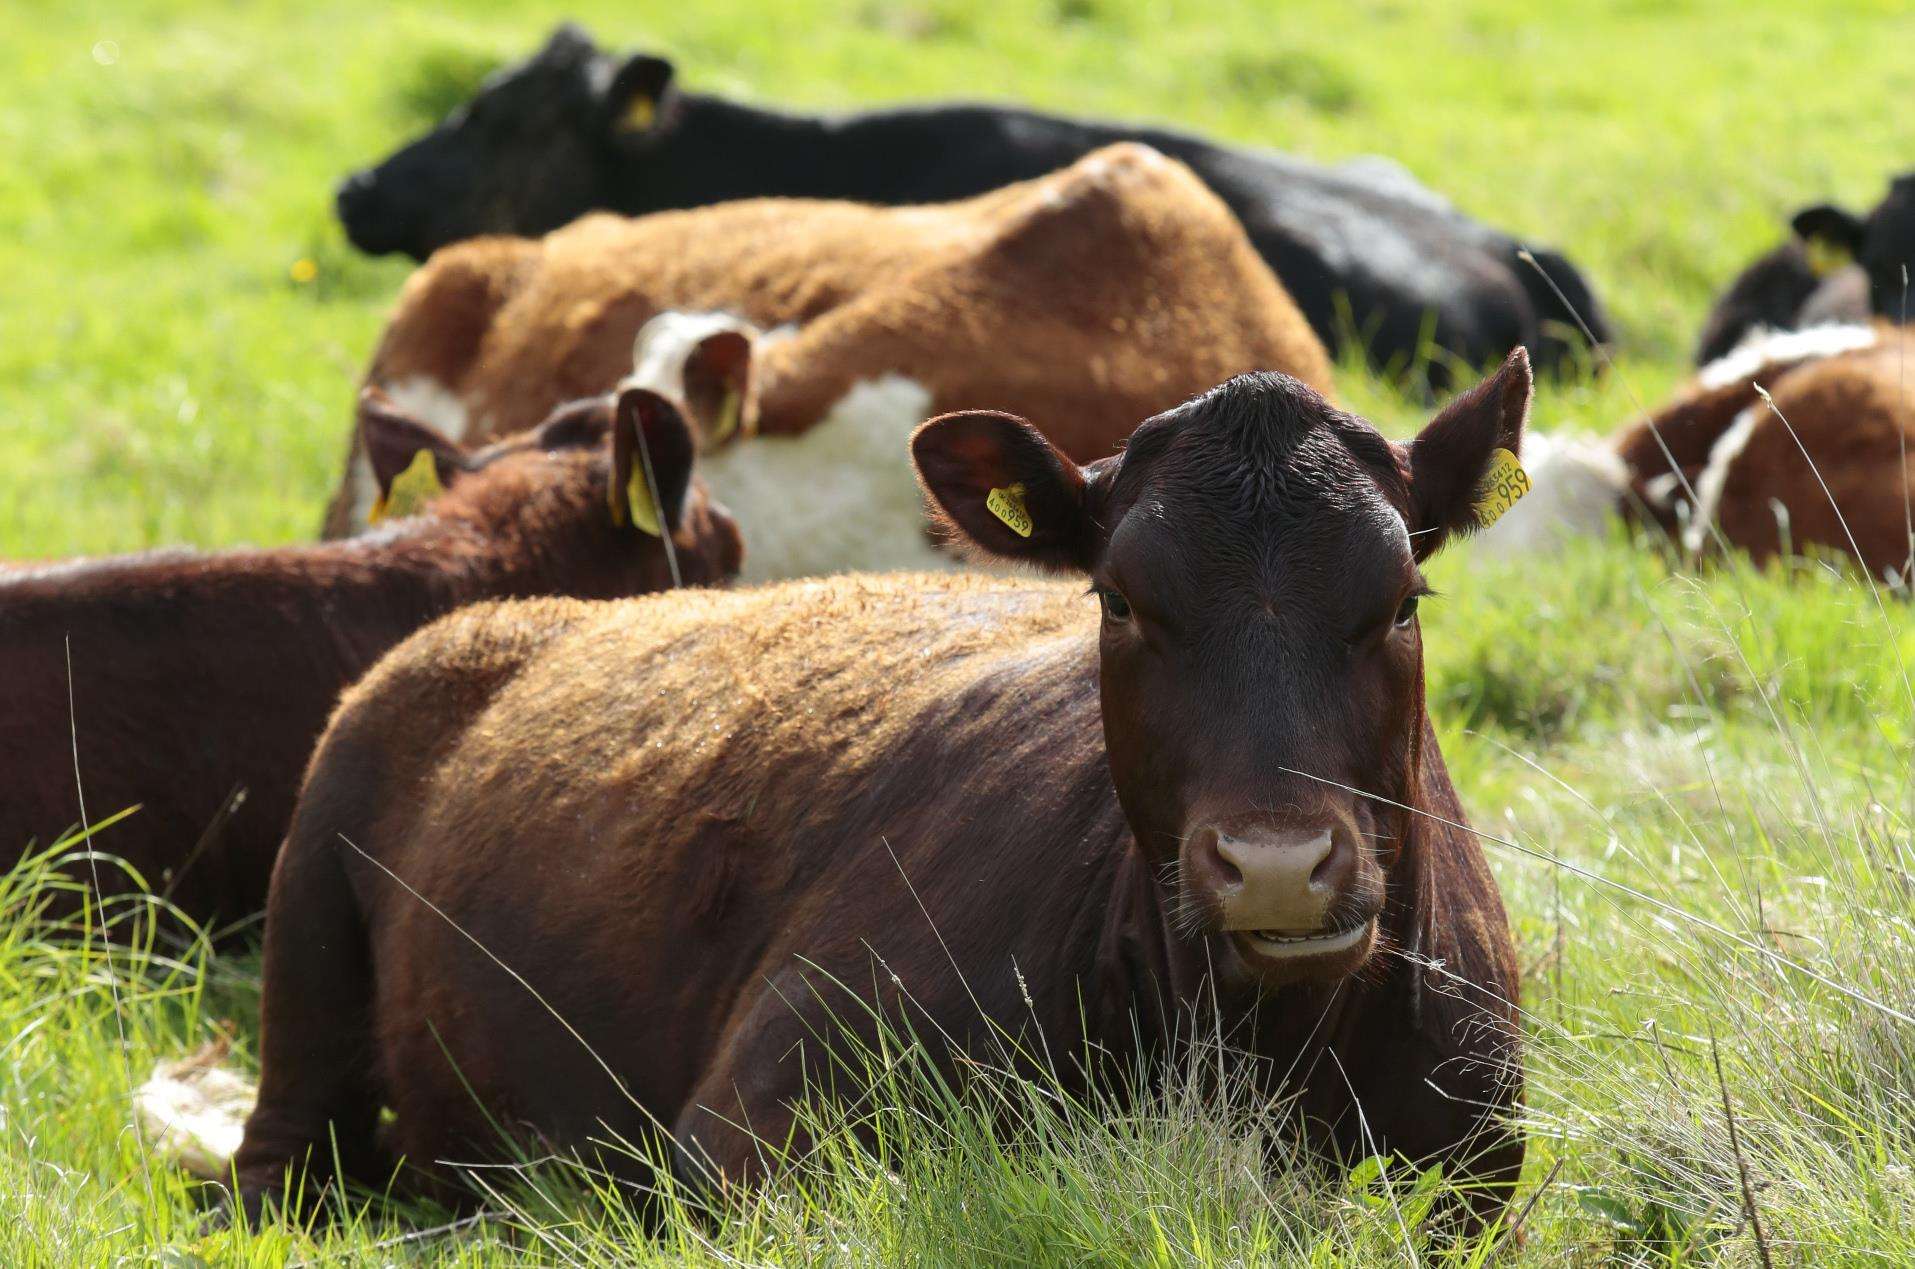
1701 785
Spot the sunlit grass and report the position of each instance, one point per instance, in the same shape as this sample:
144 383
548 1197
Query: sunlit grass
1699 782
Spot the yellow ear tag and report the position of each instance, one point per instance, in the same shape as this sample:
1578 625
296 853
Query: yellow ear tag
1503 484
1826 257
1007 504
728 412
410 490
639 500
638 115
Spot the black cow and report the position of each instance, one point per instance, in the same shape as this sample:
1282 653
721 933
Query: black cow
575 129
1839 267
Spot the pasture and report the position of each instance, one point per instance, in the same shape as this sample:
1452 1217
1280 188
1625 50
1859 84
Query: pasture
1697 788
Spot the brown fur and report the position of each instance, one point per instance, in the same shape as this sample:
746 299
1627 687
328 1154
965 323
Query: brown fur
197 675
679 817
1854 414
1083 300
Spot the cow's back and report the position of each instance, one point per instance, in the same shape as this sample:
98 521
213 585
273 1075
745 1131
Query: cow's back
653 809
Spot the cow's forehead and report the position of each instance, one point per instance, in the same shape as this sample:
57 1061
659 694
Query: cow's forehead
1263 487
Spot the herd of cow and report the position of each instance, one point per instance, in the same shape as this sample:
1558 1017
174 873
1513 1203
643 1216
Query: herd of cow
661 341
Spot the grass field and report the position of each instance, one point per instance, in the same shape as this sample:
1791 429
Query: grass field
1700 787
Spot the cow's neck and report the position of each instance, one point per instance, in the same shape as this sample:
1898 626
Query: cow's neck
717 150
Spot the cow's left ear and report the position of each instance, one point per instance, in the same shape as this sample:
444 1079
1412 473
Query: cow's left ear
1457 459
636 99
1831 226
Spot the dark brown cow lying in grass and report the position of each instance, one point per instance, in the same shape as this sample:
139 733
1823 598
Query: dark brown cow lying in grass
201 679
676 816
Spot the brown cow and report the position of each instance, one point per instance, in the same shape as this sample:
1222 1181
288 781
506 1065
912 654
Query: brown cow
1718 466
198 679
678 817
1084 301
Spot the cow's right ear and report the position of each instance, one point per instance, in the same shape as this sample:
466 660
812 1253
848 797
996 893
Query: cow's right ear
636 99
1837 233
1002 484
644 416
718 385
394 441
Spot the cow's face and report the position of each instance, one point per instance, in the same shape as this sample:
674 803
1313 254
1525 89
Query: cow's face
534 149
584 500
1883 243
1254 554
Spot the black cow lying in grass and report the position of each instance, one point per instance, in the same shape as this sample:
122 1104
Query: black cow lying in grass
1839 268
575 129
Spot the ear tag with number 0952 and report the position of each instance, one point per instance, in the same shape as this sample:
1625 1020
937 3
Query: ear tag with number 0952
1007 504
1503 484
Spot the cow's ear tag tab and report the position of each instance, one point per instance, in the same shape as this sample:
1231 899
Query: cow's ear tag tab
640 113
638 498
410 490
1007 504
1827 257
1503 484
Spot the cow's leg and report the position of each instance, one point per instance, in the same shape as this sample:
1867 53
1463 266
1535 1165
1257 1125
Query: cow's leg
318 1105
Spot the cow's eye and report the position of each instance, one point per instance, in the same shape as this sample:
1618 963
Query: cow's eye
1116 607
1406 611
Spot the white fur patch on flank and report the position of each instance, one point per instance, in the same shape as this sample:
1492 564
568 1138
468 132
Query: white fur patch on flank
193 1112
433 404
1715 476
1576 483
1777 347
838 497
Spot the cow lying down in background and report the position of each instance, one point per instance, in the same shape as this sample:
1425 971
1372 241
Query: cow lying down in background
200 681
1366 250
1083 301
1827 468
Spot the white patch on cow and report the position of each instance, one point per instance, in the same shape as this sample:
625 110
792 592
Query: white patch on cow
665 343
1715 477
1576 484
193 1112
1773 348
427 401
837 497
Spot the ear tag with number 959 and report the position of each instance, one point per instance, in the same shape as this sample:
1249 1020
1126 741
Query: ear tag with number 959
1503 484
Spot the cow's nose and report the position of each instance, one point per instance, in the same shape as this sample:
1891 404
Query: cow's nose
1283 880
353 194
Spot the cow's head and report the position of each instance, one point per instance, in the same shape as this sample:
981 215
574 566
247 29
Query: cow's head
1255 554
534 149
1883 242
572 496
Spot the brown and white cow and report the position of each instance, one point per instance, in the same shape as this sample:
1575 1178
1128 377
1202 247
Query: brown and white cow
1205 791
1826 469
200 681
1083 301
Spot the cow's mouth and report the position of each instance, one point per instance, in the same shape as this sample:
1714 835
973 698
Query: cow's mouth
1288 945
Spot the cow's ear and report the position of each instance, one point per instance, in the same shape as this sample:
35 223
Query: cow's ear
1463 464
398 445
1831 228
648 432
718 384
1001 484
636 99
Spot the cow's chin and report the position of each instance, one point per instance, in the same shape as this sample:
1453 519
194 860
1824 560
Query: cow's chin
1278 958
